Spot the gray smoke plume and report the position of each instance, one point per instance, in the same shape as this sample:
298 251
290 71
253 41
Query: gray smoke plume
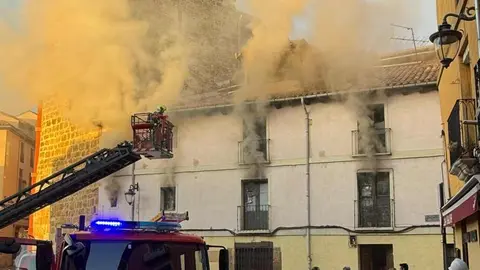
254 147
369 137
112 188
169 179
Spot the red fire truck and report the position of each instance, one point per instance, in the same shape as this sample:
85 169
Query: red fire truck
106 244
116 244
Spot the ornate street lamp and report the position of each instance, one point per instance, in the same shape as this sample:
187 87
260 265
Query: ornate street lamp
447 40
130 194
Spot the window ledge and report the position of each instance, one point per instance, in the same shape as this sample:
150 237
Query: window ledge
379 229
377 154
240 232
251 163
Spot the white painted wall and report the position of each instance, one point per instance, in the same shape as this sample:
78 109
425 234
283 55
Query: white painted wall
208 177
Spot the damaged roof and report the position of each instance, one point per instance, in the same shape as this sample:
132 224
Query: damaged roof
408 68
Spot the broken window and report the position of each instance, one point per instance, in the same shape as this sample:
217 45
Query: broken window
255 140
372 133
374 203
167 198
255 205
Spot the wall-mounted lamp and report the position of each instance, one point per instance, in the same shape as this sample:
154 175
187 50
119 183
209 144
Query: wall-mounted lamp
352 241
447 40
130 194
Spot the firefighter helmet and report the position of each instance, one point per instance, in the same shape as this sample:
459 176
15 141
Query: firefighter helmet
161 109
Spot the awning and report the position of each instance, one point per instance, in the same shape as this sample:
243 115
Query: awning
464 204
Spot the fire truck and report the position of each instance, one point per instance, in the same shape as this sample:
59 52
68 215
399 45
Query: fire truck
107 244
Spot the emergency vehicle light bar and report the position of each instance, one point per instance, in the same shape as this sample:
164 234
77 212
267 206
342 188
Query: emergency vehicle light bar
134 225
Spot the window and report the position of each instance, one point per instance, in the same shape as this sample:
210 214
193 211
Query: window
22 152
32 156
167 198
21 182
255 205
374 203
255 143
451 253
371 132
259 255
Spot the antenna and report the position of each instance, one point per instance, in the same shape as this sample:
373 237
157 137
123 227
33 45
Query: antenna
413 36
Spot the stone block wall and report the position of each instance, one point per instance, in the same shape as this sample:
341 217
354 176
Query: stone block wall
61 144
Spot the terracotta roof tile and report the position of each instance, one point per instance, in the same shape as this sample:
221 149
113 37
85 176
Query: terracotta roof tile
405 71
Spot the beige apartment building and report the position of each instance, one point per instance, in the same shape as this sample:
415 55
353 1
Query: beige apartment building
17 146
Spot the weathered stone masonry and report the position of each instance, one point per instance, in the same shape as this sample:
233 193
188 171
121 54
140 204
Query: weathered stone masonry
61 144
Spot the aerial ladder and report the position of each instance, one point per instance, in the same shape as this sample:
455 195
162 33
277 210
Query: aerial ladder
152 138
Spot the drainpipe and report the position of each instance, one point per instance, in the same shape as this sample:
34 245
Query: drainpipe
307 174
133 184
442 225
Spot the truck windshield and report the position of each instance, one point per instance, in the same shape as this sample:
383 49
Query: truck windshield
113 255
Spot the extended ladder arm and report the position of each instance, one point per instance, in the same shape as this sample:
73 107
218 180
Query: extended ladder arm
66 182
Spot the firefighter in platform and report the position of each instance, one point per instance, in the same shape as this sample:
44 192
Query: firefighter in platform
156 116
161 110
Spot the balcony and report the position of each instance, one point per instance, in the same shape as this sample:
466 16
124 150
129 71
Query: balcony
371 142
462 130
379 213
253 217
254 151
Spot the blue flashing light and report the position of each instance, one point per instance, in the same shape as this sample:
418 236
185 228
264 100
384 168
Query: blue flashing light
108 223
134 225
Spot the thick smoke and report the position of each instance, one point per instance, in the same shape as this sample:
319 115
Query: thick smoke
104 60
345 42
112 187
261 58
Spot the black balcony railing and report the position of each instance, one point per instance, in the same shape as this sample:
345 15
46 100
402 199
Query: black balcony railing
253 151
462 129
374 213
253 217
371 142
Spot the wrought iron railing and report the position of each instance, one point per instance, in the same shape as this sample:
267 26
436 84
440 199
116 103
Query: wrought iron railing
254 151
253 217
462 129
376 213
372 142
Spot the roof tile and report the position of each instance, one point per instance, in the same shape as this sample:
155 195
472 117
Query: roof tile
404 72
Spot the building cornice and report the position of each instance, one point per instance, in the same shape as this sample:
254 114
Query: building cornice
18 132
419 87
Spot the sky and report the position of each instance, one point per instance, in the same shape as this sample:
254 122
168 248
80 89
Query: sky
423 26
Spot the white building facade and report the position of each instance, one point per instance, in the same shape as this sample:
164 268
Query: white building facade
384 204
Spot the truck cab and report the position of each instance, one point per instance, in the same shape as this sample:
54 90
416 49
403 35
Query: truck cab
115 244
134 245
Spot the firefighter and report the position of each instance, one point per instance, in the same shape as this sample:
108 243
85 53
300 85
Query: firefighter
161 110
157 115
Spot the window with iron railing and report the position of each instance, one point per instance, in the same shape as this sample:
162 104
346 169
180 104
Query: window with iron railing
254 146
371 136
254 212
374 203
462 129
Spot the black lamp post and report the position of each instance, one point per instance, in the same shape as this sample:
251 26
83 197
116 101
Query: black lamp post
130 194
447 40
